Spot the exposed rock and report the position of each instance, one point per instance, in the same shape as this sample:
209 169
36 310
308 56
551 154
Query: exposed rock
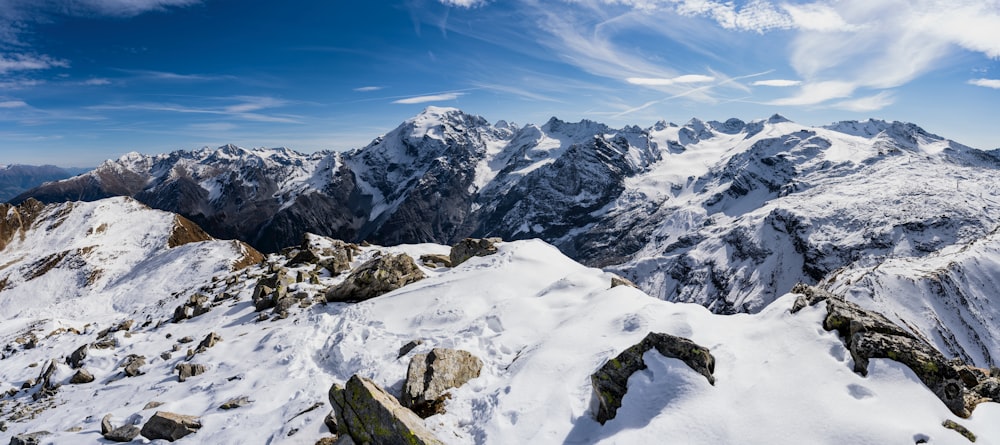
235 402
869 335
430 376
210 340
409 346
331 421
270 289
329 440
435 260
471 247
368 414
169 426
106 426
151 405
196 305
81 376
188 370
132 364
124 433
186 339
29 439
185 232
620 281
375 277
610 383
75 360
952 425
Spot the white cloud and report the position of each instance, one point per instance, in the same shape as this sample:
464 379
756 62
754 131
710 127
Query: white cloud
870 103
687 78
28 62
465 3
776 83
367 89
818 92
97 82
987 83
430 98
120 8
816 17
13 104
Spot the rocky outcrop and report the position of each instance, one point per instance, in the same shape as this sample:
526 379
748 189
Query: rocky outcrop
30 438
472 247
196 305
15 220
620 281
335 258
271 288
430 377
209 341
610 383
132 364
75 360
185 231
380 275
169 426
368 414
868 335
435 260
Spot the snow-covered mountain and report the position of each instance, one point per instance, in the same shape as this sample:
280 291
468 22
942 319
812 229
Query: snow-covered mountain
728 214
16 179
540 323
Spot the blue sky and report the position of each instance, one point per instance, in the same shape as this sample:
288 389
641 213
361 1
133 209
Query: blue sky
86 80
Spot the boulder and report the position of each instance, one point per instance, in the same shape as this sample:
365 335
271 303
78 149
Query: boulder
196 305
368 414
868 335
132 364
29 438
106 426
610 383
188 370
430 376
435 260
81 376
210 340
621 281
270 289
380 275
471 247
235 402
75 360
169 426
124 433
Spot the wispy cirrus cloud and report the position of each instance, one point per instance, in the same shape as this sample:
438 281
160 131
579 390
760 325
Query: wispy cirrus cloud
29 62
679 80
428 98
987 83
368 89
13 104
776 83
464 3
247 108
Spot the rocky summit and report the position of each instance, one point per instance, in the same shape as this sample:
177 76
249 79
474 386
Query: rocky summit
463 282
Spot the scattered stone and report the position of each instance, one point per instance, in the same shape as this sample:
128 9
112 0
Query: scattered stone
409 346
186 339
235 403
151 405
81 376
106 424
124 433
375 277
611 381
28 384
132 364
471 247
75 360
952 425
29 439
270 289
430 376
368 414
435 260
210 340
166 355
188 370
169 426
621 281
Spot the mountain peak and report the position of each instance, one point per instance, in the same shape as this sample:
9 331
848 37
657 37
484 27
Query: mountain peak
777 119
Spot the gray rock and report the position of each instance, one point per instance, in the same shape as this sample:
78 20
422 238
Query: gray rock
620 281
29 439
210 340
368 414
610 383
868 335
132 364
235 402
169 426
434 260
375 277
75 360
430 377
106 426
81 376
471 247
188 370
124 433
409 346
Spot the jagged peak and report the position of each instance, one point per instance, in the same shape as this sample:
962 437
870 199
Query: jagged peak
777 119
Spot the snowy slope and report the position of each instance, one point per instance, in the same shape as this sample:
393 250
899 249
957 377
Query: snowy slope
541 323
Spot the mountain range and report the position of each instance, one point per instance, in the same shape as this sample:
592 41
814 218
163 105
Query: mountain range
17 178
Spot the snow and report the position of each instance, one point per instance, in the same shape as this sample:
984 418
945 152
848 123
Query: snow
540 322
